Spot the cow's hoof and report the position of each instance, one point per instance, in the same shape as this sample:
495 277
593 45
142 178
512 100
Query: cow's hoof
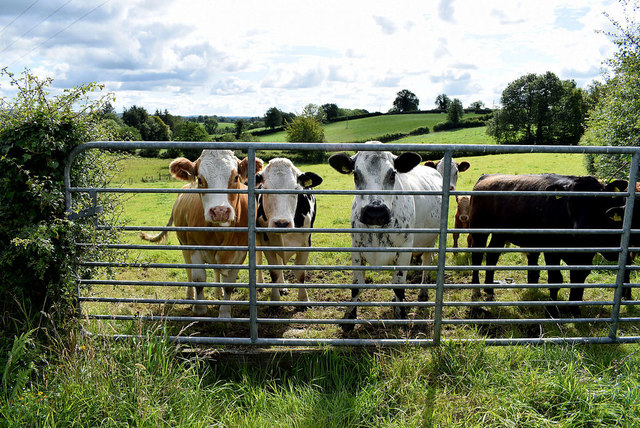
225 312
284 291
199 310
348 327
423 296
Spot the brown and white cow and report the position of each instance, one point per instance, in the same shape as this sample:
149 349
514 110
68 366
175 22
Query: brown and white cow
286 211
462 218
455 169
214 169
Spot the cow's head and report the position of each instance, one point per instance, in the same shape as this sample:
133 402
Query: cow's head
280 173
464 208
455 168
215 169
373 170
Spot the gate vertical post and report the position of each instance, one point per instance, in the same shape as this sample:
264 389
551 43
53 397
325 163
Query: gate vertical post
624 244
251 199
442 247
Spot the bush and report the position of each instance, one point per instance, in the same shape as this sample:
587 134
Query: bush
36 134
307 129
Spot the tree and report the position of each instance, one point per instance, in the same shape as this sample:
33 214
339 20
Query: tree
476 106
443 101
240 126
615 119
539 109
273 118
331 111
313 110
191 131
211 124
135 116
37 132
455 111
405 101
306 129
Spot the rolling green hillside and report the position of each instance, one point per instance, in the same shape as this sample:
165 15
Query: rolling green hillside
371 127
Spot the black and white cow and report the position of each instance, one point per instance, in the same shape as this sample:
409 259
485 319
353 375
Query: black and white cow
456 167
379 170
286 211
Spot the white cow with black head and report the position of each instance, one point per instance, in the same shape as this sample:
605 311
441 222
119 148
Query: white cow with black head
380 170
286 211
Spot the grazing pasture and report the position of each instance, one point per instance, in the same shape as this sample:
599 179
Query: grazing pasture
372 127
334 212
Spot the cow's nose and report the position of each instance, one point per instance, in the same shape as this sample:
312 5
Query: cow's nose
220 214
464 218
375 215
281 223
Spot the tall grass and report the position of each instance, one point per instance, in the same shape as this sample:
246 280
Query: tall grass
149 382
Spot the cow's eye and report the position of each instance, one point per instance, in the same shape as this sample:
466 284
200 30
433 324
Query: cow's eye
392 176
199 182
356 176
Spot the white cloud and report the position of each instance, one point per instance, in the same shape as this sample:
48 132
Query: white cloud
237 58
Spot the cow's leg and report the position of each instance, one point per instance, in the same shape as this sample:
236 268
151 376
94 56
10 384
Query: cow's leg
478 240
457 224
216 278
427 260
554 277
626 291
276 274
228 275
195 275
496 241
400 277
358 278
578 277
301 260
533 275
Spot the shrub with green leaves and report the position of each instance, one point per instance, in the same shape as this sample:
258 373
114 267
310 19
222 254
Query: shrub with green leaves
306 129
39 261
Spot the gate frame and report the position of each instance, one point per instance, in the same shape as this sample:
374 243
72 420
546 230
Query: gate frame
444 230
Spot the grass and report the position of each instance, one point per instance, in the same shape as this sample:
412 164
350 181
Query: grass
150 382
147 381
371 127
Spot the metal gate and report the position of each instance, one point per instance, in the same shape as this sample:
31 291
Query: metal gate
518 318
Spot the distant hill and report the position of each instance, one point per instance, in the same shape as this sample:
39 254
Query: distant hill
373 127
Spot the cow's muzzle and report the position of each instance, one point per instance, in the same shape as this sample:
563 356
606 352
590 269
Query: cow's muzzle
220 214
281 223
375 215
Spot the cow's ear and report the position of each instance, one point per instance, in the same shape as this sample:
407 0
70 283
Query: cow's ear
259 164
617 186
431 164
309 179
183 169
259 178
555 187
616 214
406 161
463 166
342 163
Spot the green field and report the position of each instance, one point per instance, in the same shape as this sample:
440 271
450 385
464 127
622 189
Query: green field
90 381
372 127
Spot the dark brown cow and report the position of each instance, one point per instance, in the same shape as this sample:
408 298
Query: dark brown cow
214 169
543 212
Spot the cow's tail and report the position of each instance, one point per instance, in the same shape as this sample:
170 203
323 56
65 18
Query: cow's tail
161 237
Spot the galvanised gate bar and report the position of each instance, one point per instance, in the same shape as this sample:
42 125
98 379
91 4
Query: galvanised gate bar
442 318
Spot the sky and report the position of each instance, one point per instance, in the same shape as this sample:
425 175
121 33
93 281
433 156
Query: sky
239 58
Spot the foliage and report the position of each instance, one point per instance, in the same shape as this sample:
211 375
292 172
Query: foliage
331 111
615 119
455 111
240 127
306 128
443 101
37 131
476 106
314 111
273 118
539 109
405 101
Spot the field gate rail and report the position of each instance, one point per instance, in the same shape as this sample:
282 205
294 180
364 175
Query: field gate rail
436 324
